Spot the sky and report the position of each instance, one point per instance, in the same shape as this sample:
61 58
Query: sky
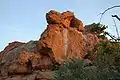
24 20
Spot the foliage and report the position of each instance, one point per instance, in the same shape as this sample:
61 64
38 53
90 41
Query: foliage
105 66
108 54
73 69
108 59
97 27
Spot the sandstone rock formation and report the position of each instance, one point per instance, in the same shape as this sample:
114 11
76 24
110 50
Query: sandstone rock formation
65 37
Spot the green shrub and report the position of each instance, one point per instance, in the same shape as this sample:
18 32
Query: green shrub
74 69
108 60
108 54
105 66
97 27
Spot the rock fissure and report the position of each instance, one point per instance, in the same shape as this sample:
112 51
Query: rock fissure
65 38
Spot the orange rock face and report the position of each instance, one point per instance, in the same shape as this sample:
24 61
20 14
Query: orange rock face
53 17
76 23
64 38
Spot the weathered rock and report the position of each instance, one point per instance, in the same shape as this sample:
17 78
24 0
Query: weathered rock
35 75
51 42
22 60
15 78
76 23
53 17
64 38
61 43
67 14
64 18
76 44
91 41
67 17
87 62
11 46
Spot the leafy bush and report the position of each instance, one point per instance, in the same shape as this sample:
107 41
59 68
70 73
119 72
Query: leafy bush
105 66
74 69
96 27
108 60
108 54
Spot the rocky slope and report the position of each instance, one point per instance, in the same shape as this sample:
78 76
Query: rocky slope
65 37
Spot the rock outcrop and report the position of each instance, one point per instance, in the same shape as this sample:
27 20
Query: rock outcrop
65 37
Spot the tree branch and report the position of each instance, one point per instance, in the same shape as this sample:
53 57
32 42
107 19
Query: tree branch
107 10
116 17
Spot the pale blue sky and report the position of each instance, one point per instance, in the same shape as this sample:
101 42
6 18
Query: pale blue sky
24 20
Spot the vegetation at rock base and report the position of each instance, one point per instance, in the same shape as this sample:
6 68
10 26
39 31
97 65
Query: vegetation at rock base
108 60
104 67
97 28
